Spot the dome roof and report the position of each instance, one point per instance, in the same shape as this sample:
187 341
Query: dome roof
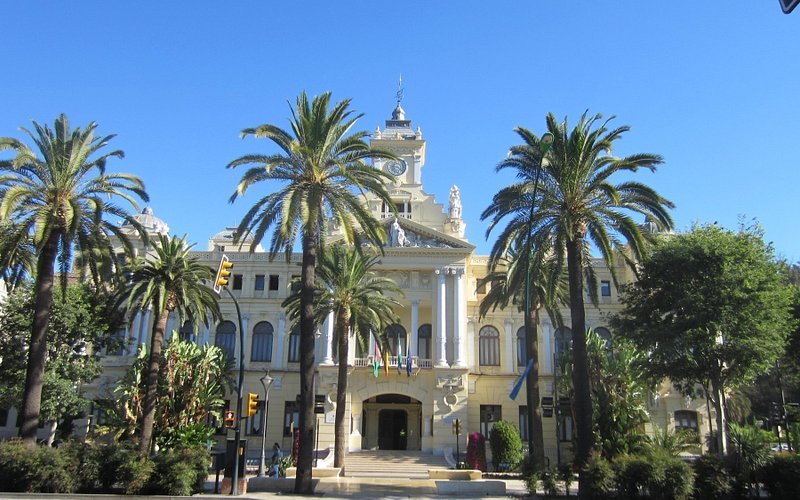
398 113
150 223
224 238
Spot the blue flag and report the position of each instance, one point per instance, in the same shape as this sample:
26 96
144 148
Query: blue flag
520 380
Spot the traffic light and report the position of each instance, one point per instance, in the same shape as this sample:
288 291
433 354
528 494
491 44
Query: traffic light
252 404
230 419
224 270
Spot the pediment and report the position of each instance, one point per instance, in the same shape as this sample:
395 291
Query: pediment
407 234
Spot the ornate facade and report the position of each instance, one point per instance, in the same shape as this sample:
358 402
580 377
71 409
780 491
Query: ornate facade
462 366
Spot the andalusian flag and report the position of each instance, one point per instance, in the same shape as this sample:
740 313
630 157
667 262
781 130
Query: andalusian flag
376 360
399 362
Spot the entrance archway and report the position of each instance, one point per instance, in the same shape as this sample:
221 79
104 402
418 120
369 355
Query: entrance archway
392 429
391 422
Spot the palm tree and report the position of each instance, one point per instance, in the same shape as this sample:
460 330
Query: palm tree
362 303
548 289
576 204
323 172
63 200
17 255
170 280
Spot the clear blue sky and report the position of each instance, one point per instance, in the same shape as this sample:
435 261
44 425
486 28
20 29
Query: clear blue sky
711 86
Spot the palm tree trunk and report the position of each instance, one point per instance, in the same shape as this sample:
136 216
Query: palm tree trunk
37 356
580 369
303 485
532 383
151 381
340 445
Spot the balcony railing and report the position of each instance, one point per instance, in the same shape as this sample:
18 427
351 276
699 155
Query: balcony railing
416 362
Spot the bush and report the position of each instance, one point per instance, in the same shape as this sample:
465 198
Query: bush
185 436
780 476
180 472
51 472
712 479
565 474
676 478
476 451
550 482
531 481
83 463
749 453
16 462
506 446
598 478
633 475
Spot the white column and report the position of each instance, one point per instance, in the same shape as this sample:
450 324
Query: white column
351 352
547 348
471 343
460 316
508 363
441 318
327 329
280 341
412 342
144 327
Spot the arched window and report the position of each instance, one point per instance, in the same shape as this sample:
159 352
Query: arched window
225 338
604 334
396 338
563 337
424 342
262 342
489 346
294 345
186 333
522 352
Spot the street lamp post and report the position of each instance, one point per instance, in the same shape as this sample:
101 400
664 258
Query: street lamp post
532 379
266 381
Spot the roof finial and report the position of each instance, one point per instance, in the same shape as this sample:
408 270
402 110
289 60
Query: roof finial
400 89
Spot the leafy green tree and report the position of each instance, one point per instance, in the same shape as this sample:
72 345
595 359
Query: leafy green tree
577 204
362 304
63 199
191 384
619 390
710 308
82 324
322 171
170 279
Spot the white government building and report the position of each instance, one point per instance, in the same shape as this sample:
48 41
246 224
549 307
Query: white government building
463 366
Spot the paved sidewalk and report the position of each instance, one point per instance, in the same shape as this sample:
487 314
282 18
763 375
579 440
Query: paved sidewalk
345 487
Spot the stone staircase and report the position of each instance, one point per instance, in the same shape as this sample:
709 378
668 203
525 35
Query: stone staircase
392 464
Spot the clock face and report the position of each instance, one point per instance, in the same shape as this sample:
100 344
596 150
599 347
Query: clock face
396 167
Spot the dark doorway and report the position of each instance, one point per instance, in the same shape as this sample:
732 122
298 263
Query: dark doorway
392 429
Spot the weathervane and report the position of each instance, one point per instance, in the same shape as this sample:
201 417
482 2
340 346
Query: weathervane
400 90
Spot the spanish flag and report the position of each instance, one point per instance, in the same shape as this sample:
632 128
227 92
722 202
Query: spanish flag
386 362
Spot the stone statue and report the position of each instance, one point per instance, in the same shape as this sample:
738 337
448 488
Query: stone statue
455 203
398 235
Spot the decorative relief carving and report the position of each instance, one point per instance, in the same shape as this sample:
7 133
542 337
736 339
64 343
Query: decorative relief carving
451 384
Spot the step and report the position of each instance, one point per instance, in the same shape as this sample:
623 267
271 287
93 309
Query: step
391 464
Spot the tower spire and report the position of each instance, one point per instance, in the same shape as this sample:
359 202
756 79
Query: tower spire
399 93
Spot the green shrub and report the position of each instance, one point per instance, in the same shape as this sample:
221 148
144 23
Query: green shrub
749 453
550 481
506 446
633 475
191 435
531 481
530 465
16 463
50 472
712 479
780 476
180 472
673 479
598 478
83 463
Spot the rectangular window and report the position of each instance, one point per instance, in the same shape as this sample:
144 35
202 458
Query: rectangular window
564 427
291 417
3 417
273 282
237 281
259 283
605 288
489 415
294 346
523 423
481 290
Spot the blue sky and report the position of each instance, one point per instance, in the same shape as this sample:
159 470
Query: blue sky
711 86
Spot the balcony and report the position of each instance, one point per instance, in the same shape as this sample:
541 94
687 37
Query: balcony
416 362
